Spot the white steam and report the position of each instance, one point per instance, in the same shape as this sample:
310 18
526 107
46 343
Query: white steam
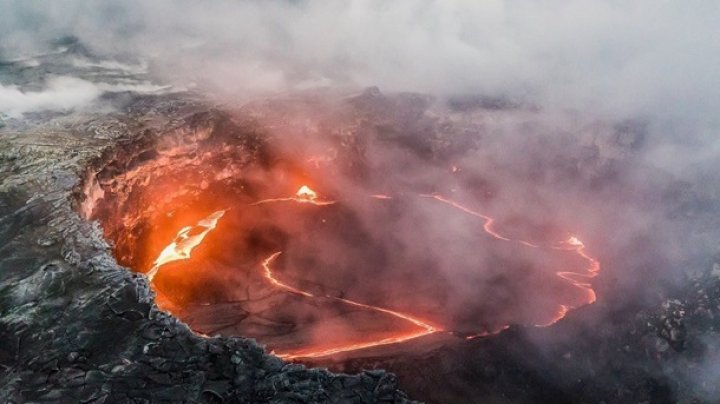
60 94
647 57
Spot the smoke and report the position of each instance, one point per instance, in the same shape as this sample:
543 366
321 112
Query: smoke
65 93
646 58
60 94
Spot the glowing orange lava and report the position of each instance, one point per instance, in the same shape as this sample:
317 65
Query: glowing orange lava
487 333
488 220
303 195
576 279
306 193
424 327
185 241
191 236
269 276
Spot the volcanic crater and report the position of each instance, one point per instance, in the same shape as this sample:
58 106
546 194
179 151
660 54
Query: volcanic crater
315 258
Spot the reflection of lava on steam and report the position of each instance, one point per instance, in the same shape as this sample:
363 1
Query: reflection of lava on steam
190 237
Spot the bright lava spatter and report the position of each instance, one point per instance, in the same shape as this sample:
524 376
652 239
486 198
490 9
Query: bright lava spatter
182 246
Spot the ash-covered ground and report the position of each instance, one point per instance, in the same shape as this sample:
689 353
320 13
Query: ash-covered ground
77 326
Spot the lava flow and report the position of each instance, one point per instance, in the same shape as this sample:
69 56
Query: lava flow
424 327
186 240
189 238
576 279
488 220
572 243
303 195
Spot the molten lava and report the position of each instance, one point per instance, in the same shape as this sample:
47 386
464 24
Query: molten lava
186 240
269 276
424 327
306 193
303 195
573 243
575 278
191 236
488 220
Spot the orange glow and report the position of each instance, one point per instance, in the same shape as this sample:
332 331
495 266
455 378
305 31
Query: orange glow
579 280
190 237
306 193
559 315
488 220
424 328
271 277
303 195
487 333
185 242
353 347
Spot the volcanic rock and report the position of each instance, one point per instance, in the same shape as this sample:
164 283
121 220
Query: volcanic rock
76 326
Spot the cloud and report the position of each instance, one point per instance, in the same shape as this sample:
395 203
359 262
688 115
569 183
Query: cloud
60 94
606 56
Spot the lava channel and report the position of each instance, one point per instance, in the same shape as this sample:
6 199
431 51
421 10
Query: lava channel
424 328
190 237
573 243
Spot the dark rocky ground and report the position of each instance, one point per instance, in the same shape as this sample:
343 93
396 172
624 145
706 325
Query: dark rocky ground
77 327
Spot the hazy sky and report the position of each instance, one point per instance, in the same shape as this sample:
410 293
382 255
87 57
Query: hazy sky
647 56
